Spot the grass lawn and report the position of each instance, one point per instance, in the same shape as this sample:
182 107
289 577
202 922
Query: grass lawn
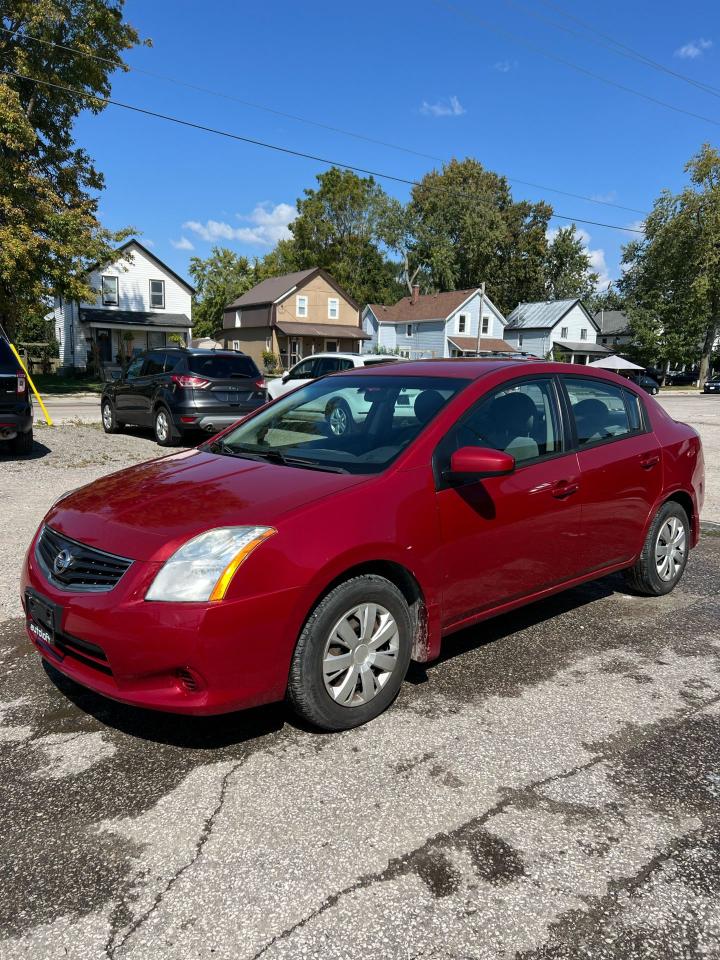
53 384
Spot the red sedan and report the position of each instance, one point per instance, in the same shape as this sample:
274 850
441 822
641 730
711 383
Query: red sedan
282 559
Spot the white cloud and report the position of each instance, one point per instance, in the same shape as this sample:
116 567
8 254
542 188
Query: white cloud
609 197
693 49
505 66
445 107
267 226
182 244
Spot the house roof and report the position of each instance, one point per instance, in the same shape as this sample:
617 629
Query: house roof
134 318
276 288
429 306
612 321
542 314
487 344
151 256
582 346
333 330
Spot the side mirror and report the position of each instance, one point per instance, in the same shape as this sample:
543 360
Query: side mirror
476 462
285 377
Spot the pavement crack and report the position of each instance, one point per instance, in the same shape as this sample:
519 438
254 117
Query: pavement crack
114 945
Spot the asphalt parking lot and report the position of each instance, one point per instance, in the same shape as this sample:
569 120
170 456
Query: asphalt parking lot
549 789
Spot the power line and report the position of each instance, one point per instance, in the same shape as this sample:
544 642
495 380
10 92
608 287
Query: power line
315 123
500 31
271 146
632 53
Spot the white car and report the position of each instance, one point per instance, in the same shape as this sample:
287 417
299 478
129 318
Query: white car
341 412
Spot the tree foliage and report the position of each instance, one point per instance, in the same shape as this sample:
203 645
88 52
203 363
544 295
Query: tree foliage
49 230
672 276
219 279
567 269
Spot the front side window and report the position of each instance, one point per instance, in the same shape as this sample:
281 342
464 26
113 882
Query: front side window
303 371
381 416
301 306
110 291
598 409
333 308
522 419
157 294
485 326
133 371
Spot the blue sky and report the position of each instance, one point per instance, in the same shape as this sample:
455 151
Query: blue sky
427 76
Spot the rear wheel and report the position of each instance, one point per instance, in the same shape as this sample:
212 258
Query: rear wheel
165 433
339 418
352 655
664 555
22 443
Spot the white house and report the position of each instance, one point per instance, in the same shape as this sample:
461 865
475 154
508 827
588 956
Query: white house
436 325
555 328
140 302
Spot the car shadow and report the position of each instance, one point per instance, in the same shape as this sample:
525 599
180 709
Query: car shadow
146 433
39 450
171 729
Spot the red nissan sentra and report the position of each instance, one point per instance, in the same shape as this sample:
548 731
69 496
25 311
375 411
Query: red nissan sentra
302 555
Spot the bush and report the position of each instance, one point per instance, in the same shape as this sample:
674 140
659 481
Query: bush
271 361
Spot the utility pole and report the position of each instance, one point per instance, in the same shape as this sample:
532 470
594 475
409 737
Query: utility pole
480 318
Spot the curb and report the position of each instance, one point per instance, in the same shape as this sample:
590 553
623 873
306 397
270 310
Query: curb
711 527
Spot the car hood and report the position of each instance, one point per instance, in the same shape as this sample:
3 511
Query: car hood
147 511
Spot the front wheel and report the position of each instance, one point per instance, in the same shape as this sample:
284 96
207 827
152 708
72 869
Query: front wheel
664 555
352 655
109 420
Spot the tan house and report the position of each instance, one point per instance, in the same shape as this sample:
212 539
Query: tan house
293 316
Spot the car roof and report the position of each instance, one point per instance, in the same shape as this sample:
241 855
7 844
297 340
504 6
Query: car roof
331 353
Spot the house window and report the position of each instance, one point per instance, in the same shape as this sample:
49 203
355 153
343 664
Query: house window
520 339
333 308
563 333
110 291
583 333
604 340
301 306
485 326
462 323
157 294
408 330
331 346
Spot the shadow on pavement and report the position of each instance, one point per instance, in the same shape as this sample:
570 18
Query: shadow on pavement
38 451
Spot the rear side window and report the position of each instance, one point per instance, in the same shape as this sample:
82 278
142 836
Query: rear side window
598 409
325 365
632 402
153 364
8 363
221 367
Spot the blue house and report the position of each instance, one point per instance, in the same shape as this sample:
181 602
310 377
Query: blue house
459 323
557 329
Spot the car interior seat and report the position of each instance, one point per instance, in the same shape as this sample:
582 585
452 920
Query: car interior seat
512 418
593 420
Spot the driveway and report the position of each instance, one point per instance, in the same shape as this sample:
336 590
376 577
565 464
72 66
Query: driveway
549 789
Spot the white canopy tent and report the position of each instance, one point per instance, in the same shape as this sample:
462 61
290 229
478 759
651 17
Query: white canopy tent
615 363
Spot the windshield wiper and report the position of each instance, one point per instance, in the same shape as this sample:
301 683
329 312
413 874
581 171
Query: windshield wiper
276 456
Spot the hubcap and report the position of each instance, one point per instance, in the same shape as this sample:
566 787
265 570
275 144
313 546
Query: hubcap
361 654
338 421
107 416
670 549
161 426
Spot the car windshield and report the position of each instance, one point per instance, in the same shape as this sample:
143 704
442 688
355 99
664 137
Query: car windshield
222 367
346 424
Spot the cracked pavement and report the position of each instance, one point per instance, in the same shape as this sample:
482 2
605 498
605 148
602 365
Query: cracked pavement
549 789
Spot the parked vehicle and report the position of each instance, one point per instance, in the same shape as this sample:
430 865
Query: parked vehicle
647 383
16 409
280 559
680 378
177 391
712 385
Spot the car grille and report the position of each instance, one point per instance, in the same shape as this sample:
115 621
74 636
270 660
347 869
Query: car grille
87 653
88 569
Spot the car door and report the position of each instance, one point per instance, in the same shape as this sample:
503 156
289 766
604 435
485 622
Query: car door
127 399
620 468
297 376
508 537
147 384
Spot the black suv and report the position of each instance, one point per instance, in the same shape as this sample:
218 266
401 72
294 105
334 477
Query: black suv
177 390
16 412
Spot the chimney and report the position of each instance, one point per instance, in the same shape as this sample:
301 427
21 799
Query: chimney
415 292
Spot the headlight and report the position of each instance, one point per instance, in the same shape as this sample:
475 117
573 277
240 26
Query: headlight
202 568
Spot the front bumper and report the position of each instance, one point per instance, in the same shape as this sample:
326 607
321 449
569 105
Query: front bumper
192 658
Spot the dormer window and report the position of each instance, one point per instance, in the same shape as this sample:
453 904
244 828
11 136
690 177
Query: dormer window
485 326
110 291
301 306
333 308
157 294
462 323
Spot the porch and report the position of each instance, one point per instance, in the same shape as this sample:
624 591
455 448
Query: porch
114 337
298 340
579 351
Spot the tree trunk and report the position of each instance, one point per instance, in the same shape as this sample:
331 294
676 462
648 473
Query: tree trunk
710 338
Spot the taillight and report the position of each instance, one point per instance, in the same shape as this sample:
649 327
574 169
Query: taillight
261 384
182 380
22 383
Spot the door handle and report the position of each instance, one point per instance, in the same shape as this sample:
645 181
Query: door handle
564 489
650 462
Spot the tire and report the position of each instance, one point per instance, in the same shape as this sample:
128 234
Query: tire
652 576
654 391
377 678
22 443
109 420
165 432
339 418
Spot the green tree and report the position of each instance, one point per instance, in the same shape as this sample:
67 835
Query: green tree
49 230
469 229
567 270
672 276
338 228
219 280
